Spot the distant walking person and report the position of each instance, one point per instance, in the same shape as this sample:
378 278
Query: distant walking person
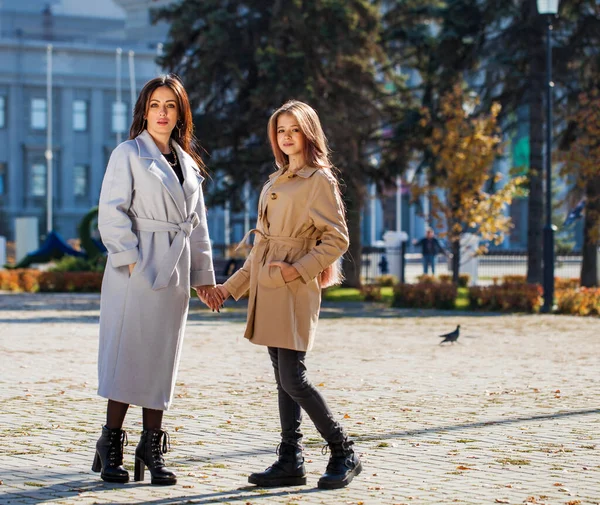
300 236
153 223
430 248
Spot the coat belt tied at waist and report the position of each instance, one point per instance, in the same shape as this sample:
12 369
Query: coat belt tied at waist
298 243
169 262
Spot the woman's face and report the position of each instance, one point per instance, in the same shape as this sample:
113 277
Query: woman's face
290 138
162 113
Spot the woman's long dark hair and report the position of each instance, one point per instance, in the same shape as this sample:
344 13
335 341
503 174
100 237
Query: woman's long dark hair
183 133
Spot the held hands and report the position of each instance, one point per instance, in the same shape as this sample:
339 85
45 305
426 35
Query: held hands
288 272
211 296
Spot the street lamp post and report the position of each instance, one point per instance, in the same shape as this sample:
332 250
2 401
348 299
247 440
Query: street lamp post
549 8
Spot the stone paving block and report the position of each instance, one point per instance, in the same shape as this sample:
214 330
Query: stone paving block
510 414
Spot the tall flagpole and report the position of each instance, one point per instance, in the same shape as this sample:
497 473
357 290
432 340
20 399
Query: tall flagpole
118 83
131 80
48 153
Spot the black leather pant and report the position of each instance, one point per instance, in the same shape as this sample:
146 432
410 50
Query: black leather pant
296 393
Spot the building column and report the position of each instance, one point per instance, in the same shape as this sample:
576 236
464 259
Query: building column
97 162
65 172
17 172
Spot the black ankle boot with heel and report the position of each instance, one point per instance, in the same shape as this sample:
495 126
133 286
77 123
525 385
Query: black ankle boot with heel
288 470
109 456
344 464
149 453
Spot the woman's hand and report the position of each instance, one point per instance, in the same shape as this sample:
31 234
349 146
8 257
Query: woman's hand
223 290
210 296
288 272
131 267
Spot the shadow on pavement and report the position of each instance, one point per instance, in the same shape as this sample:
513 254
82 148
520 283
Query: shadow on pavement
467 426
92 488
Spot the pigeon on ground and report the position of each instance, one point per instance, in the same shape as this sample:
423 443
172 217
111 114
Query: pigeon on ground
452 336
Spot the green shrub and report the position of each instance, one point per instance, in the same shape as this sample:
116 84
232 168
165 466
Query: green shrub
425 295
74 264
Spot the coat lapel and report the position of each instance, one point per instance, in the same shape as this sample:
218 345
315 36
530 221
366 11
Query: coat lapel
191 175
159 167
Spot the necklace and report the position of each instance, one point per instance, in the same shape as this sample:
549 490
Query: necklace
172 152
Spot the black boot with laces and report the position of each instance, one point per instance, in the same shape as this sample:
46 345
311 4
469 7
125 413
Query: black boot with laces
109 456
288 470
149 453
343 465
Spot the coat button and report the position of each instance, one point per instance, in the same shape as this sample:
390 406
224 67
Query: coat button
273 196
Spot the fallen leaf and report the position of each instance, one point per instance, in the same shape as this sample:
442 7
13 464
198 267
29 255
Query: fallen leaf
321 384
574 502
187 486
501 500
530 499
346 416
463 467
557 484
557 391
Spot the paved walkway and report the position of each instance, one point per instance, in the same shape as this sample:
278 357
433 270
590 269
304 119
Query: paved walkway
511 414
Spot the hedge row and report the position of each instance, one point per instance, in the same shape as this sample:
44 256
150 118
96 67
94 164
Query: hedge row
33 281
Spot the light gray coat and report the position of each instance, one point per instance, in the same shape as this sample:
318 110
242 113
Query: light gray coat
148 218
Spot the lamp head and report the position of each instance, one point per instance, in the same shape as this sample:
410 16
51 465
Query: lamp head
547 6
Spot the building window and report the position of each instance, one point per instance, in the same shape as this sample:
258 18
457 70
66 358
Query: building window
38 113
38 180
2 112
80 180
2 179
119 117
80 115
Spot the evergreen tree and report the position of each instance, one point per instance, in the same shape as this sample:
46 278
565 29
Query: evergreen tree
242 59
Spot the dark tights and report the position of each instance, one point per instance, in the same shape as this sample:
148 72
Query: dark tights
115 415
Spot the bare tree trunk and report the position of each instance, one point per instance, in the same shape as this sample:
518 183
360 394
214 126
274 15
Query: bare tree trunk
535 218
455 261
591 228
354 198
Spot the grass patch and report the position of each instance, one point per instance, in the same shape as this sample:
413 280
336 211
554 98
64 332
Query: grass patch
338 294
465 440
513 461
343 295
462 299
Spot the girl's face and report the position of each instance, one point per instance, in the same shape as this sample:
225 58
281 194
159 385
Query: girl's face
162 113
290 138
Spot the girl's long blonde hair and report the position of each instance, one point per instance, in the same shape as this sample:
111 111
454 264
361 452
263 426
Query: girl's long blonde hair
316 154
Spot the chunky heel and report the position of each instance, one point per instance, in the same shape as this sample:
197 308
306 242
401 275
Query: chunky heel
138 473
108 459
97 464
149 453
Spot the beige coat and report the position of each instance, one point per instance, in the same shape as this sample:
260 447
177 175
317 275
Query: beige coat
300 221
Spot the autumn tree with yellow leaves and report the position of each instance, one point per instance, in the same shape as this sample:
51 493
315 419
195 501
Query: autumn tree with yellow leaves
581 164
464 193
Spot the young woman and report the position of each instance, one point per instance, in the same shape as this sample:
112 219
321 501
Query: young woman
153 223
300 236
